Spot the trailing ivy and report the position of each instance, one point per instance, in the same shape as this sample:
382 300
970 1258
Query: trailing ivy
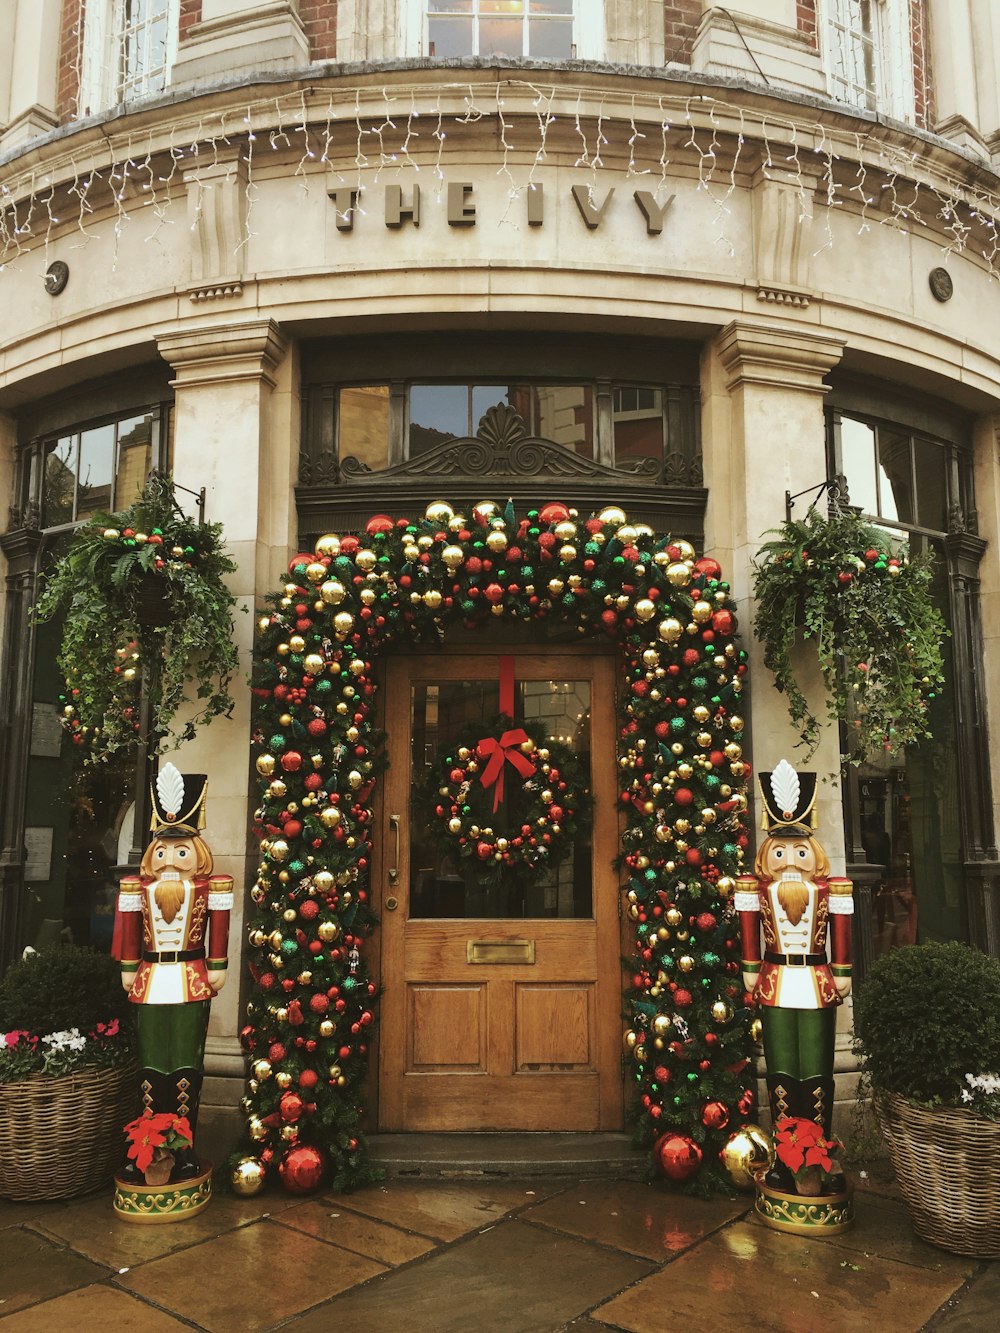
142 587
839 583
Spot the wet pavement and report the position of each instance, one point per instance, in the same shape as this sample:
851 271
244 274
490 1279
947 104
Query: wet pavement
529 1255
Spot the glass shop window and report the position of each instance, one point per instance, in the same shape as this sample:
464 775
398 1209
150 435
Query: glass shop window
868 54
363 417
562 413
98 468
638 425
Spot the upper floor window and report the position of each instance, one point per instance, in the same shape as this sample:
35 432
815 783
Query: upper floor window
529 29
129 47
868 53
99 467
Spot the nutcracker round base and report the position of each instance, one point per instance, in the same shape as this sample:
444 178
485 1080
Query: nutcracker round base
163 1203
805 1214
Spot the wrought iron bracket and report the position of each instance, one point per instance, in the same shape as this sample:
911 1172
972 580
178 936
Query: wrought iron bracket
835 487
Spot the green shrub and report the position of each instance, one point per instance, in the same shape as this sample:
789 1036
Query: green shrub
927 1015
61 988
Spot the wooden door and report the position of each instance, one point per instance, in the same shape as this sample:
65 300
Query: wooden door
499 1011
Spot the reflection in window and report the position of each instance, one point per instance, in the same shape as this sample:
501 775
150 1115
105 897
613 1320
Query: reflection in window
363 416
562 413
638 424
98 468
535 29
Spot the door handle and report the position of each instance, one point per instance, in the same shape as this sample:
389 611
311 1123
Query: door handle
394 871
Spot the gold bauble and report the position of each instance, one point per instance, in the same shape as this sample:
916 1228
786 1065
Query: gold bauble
313 663
289 914
297 643
663 833
613 515
496 540
262 1070
721 1011
725 885
265 765
645 610
343 622
290 1133
735 722
682 826
756 1030
685 771
323 879
283 1079
247 1177
700 713
685 550
567 554
433 599
455 825
327 1029
629 1040
639 1054
673 917
670 630
685 963
332 591
701 612
354 779
256 1129
328 544
278 849
748 1154
733 751
627 534
678 574
662 1024
486 509
439 511
335 1072
316 572
650 657
329 816
564 530
328 931
556 586
454 556
456 523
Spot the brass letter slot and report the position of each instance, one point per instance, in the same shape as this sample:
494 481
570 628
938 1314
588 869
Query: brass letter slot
500 951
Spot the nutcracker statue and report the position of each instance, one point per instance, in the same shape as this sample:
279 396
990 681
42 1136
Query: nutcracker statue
796 903
165 918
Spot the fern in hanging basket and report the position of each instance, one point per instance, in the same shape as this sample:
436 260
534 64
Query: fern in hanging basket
840 584
139 588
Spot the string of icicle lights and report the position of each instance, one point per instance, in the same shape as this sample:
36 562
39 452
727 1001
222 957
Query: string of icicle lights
330 135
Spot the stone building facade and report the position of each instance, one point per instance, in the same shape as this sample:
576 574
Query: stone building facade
705 257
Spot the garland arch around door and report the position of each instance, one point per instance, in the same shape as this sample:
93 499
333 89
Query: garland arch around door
682 791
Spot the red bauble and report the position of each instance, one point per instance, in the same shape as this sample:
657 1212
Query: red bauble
309 909
706 921
494 593
484 850
308 1080
303 558
248 1037
302 1169
682 998
318 1003
291 761
683 796
747 1101
316 727
722 622
553 512
291 1106
679 1157
379 523
292 828
707 566
276 1053
715 1115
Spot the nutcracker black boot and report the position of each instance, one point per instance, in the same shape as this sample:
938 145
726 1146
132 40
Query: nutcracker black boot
816 1103
186 1088
782 1097
130 1173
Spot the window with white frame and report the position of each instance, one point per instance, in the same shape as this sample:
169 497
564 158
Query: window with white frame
129 47
529 29
868 54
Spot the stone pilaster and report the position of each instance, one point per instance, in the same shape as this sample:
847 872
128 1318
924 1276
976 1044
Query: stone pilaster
234 435
236 38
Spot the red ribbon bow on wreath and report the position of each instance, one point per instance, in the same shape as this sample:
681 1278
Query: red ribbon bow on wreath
497 753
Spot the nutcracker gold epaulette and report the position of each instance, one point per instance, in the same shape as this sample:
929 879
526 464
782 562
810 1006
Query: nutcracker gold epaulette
841 886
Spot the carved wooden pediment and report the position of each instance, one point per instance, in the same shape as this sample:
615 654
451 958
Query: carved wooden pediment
501 447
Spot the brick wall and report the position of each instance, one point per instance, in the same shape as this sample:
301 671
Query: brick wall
920 41
319 18
680 23
190 13
70 56
805 19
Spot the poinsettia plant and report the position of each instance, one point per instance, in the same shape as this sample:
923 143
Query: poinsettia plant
152 1141
800 1145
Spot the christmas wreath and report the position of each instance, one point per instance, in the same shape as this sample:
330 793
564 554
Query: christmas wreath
508 798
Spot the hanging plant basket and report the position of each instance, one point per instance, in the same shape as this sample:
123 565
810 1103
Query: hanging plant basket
142 590
840 584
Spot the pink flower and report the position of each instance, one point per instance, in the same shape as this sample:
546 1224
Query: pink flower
13 1038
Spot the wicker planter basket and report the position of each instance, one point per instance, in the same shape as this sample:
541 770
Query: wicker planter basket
947 1162
60 1137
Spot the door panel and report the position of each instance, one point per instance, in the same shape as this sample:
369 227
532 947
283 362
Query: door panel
501 1001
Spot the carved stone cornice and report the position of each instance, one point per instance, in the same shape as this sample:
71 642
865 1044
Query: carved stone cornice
20 546
964 551
223 353
781 358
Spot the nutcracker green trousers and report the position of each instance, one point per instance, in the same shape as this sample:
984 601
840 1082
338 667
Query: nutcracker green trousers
172 1036
799 1042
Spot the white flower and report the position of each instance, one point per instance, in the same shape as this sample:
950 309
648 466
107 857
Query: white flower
66 1041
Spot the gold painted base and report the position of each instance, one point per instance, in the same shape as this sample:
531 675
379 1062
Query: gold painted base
805 1215
163 1203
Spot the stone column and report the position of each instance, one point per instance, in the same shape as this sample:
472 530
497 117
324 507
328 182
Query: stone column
29 41
953 58
763 434
236 434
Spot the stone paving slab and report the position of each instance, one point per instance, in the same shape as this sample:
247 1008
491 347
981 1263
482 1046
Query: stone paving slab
512 1277
91 1308
641 1219
249 1279
750 1276
442 1210
327 1220
35 1269
977 1307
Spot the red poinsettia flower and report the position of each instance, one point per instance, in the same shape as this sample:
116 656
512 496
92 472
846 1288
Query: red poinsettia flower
149 1132
799 1143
